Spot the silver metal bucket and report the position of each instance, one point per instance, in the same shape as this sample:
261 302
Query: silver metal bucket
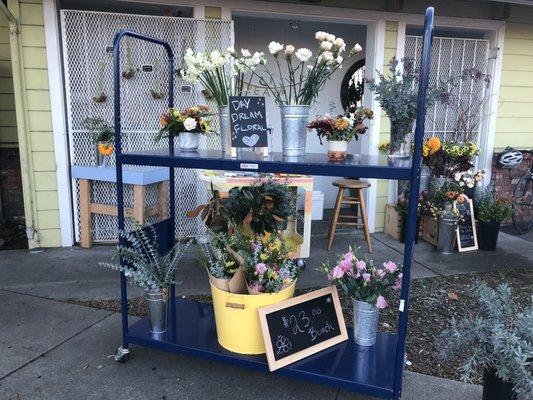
223 119
447 235
365 323
157 302
101 160
188 141
294 120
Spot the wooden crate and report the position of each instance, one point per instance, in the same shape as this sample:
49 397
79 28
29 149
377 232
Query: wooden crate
430 229
393 222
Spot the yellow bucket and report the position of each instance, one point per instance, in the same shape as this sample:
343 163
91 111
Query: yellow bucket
237 318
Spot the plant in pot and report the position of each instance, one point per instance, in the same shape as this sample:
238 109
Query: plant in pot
103 136
296 85
145 266
186 124
490 212
402 208
370 288
214 71
497 340
340 130
397 93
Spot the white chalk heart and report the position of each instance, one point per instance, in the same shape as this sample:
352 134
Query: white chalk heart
250 140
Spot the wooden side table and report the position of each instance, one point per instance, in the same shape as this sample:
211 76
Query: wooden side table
138 178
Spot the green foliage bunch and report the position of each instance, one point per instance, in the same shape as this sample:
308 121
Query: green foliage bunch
495 337
215 257
495 209
144 265
99 130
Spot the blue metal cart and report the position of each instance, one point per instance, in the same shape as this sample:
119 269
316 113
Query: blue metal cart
375 371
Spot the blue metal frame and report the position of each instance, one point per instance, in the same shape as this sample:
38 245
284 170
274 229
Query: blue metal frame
317 368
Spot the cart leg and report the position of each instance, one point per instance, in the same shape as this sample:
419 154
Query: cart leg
300 262
123 354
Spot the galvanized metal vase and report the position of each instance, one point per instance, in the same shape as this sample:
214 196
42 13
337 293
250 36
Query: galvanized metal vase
400 139
157 302
365 323
447 234
223 119
294 120
188 141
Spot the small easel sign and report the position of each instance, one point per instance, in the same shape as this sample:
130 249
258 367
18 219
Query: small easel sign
466 227
248 125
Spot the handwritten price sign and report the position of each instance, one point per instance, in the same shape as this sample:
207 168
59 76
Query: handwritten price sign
298 327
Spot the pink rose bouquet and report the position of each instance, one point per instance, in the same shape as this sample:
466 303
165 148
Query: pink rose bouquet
364 281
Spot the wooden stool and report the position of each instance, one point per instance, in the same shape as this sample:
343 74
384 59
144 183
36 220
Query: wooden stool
358 199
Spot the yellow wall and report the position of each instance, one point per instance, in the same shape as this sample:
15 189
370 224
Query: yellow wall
40 136
8 125
514 125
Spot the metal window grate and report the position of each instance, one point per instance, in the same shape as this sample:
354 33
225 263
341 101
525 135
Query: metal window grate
450 56
87 43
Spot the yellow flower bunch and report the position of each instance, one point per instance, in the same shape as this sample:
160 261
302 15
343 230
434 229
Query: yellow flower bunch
341 123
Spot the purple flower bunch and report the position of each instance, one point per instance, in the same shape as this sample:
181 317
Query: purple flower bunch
364 281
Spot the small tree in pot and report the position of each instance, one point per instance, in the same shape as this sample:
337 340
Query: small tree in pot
497 339
491 211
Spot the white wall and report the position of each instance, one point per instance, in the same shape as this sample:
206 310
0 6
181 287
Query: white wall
255 34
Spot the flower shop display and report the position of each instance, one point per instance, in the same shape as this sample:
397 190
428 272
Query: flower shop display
402 208
496 338
490 212
221 78
340 130
370 287
295 82
186 124
103 136
397 93
146 267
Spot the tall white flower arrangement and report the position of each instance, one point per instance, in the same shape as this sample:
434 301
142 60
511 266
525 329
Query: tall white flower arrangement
307 73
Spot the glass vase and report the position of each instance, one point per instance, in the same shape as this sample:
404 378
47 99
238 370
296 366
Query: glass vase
400 139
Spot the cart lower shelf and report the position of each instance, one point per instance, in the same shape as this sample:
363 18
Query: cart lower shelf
366 370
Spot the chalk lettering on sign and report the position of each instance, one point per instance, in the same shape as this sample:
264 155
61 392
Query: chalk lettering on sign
248 121
283 345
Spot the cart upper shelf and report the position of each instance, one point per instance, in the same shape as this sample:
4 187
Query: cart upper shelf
357 165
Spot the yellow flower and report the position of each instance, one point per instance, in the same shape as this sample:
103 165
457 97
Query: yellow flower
342 123
433 144
206 127
272 274
425 150
275 246
175 113
263 257
266 237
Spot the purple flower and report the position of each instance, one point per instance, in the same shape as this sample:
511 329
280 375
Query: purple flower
348 257
398 283
261 268
381 273
337 272
381 303
346 266
361 265
256 287
390 266
366 277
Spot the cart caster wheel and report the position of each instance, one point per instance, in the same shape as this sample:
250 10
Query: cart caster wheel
122 355
300 262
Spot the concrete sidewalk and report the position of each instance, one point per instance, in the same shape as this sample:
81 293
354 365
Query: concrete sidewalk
52 349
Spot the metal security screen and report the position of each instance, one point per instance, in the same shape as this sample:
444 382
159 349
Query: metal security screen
450 56
87 47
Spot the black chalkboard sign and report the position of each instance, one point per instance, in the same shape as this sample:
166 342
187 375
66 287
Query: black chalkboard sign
466 228
298 327
248 121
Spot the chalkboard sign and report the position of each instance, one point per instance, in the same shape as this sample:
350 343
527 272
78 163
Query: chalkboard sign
248 121
466 228
298 327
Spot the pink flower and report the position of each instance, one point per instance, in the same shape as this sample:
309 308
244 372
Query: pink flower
361 265
381 303
256 287
346 266
261 268
398 283
390 266
348 257
337 272
366 277
381 273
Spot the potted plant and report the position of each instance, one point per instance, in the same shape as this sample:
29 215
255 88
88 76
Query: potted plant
397 93
402 208
146 267
340 130
491 211
370 288
215 73
186 124
296 90
495 338
103 136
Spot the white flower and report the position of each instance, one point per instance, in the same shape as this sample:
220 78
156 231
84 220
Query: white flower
289 50
258 58
303 54
275 47
189 124
321 36
325 45
331 38
326 57
457 177
356 49
339 43
339 60
216 57
231 50
246 53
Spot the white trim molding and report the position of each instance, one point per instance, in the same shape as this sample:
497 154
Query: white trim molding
57 98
